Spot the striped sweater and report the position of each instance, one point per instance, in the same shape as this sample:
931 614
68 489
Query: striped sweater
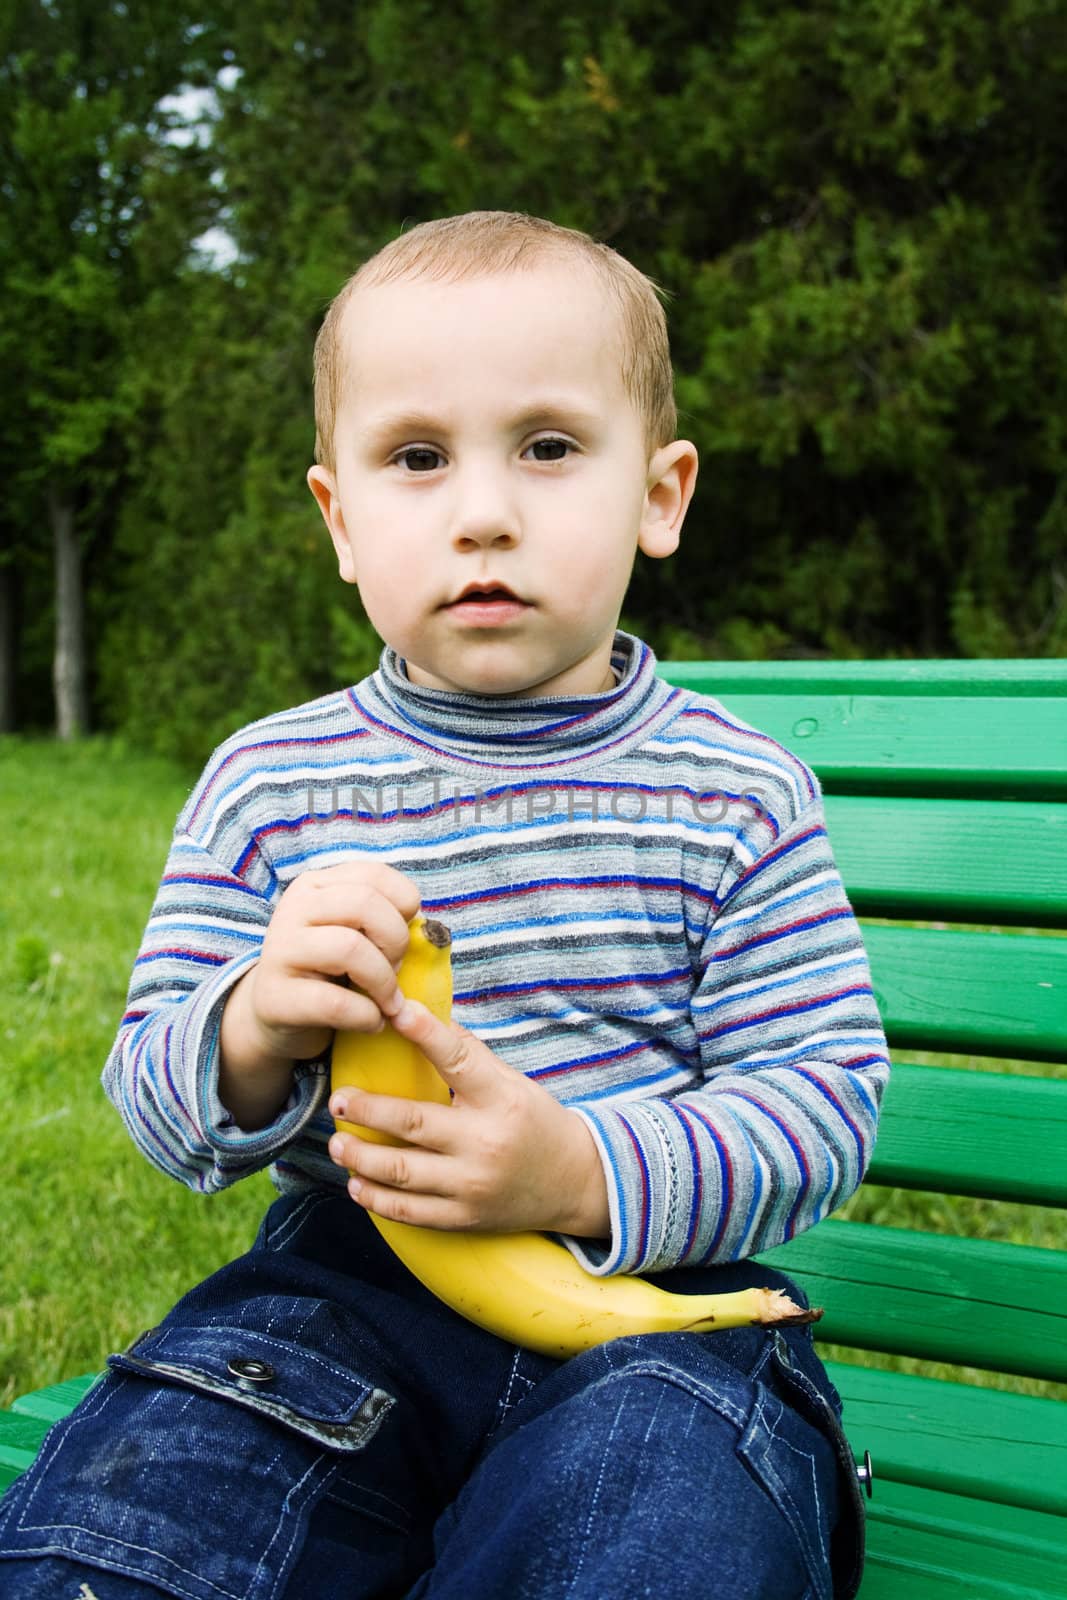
646 919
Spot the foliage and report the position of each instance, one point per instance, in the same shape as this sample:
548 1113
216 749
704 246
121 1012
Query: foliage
855 206
87 167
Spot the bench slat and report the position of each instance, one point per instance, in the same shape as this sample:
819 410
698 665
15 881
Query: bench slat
983 993
978 747
930 860
990 678
1016 1445
926 1545
20 1440
1001 734
972 1302
998 1135
57 1400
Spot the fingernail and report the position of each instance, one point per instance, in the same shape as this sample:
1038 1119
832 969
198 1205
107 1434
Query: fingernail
393 1004
405 1015
354 1187
338 1108
336 1148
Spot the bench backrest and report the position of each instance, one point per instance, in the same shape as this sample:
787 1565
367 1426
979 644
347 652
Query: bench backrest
946 798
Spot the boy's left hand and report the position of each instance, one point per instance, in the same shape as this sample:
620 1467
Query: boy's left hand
503 1157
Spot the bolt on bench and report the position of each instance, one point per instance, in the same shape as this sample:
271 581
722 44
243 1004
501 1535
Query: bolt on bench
946 788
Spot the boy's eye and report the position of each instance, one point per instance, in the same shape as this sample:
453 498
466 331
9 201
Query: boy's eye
420 458
555 449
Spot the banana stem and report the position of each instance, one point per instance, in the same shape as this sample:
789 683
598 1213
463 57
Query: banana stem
766 1307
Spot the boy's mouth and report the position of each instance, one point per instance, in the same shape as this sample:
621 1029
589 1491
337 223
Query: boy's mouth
486 603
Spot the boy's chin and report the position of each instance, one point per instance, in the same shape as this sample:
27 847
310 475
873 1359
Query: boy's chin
506 670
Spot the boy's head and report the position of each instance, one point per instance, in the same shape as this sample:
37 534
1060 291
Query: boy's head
495 416
481 243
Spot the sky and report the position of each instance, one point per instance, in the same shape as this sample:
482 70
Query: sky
193 113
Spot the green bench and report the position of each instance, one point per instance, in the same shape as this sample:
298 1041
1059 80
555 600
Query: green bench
946 787
946 796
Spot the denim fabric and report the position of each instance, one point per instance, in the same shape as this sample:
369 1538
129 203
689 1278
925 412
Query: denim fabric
311 1422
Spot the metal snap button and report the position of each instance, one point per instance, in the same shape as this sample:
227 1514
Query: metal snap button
248 1370
865 1474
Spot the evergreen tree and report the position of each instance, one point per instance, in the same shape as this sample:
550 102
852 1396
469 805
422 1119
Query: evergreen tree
86 157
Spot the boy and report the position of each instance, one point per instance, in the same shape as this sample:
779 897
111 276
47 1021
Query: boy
666 1051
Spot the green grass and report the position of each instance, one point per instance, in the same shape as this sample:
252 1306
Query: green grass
97 1244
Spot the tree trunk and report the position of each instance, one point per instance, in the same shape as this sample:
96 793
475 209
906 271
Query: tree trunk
68 662
7 648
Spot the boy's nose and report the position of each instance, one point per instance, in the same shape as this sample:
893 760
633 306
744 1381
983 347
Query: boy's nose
485 512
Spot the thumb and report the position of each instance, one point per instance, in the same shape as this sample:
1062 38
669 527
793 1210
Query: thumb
467 1065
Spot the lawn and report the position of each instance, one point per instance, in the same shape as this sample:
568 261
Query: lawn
98 1244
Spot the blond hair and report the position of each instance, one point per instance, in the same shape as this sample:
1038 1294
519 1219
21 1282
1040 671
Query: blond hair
455 248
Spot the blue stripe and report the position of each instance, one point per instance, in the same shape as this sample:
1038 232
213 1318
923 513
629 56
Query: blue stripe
611 1091
621 1250
762 911
819 1003
818 1050
161 922
705 1005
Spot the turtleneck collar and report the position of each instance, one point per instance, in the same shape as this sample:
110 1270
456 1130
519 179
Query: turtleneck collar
524 731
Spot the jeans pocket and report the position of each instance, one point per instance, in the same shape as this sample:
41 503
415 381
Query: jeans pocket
196 1462
797 1375
794 1462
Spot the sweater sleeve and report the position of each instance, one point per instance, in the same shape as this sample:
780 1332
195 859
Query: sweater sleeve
204 933
793 1063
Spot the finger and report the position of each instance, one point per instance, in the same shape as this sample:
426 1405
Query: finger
332 904
415 1122
466 1064
393 1166
363 873
344 953
317 1003
418 1210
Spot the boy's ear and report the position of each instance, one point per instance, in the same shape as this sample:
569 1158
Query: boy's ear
323 486
672 476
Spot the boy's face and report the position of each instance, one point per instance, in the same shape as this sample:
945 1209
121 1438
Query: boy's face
492 483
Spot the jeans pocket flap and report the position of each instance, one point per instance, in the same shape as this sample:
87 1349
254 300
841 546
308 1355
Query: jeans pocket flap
316 1396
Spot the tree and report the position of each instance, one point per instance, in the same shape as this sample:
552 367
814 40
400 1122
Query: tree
86 139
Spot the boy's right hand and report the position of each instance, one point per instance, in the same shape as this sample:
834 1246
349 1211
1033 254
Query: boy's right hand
329 960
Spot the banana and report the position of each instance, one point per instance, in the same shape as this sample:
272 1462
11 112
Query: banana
524 1287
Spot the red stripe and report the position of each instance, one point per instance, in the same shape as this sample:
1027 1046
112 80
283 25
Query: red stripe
791 1140
782 931
176 953
553 985
723 1152
799 1007
791 762
290 743
590 1061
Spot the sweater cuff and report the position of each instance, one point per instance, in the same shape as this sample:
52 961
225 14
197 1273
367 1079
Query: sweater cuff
236 1151
651 1199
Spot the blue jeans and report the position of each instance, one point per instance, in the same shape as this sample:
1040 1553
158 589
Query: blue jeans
311 1424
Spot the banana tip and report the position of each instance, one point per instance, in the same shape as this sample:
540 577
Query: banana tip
782 1311
436 933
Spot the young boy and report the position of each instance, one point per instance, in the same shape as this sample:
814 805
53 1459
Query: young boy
666 1049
